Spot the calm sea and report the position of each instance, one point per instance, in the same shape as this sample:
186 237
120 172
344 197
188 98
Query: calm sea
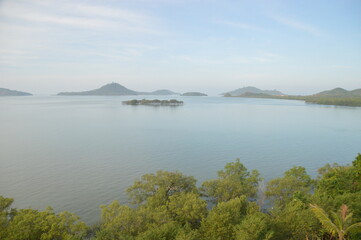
76 153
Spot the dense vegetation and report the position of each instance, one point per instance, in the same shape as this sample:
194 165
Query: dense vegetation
169 205
155 102
340 101
337 96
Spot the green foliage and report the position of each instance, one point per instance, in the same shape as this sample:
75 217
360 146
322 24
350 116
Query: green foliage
160 232
338 185
187 208
294 221
339 101
123 222
232 182
357 168
186 233
340 224
222 219
160 186
295 183
120 222
5 204
169 206
5 214
29 224
337 180
254 227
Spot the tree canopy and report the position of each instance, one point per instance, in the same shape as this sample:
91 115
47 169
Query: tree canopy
295 183
169 205
232 182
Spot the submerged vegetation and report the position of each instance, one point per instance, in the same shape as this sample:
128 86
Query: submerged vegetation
169 205
155 102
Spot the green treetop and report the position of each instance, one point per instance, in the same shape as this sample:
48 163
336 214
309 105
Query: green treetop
232 182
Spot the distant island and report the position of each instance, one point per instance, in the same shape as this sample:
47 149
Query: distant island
337 96
155 102
115 89
162 92
194 94
240 91
7 92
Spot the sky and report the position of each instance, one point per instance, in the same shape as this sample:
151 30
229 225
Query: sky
297 47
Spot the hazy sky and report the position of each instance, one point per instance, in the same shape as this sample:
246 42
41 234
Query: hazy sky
298 47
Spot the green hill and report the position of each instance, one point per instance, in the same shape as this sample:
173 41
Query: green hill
339 92
337 96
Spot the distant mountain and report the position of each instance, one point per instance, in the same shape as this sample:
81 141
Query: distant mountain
163 92
256 95
356 92
159 92
111 89
337 96
195 94
244 90
7 92
115 89
339 92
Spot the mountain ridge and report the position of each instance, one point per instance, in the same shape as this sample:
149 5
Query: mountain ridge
336 96
339 92
194 94
115 89
159 92
8 92
251 89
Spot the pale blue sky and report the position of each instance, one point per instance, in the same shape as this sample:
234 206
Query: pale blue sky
297 47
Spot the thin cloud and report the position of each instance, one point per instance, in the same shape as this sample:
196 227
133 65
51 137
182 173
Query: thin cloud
79 16
270 55
297 25
15 57
341 66
266 57
199 61
262 57
69 21
52 31
90 10
252 76
239 25
108 12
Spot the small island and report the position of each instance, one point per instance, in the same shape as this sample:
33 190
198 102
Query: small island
194 94
154 102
